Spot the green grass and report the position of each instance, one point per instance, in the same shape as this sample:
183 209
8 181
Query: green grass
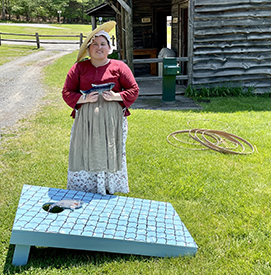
223 199
11 52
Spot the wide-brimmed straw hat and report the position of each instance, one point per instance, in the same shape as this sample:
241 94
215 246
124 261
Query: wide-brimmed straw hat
108 26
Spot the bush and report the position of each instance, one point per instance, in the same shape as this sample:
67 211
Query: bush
113 55
219 91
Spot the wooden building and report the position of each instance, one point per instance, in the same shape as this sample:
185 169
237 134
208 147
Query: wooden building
224 41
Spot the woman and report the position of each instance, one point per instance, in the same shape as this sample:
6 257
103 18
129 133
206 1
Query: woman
97 160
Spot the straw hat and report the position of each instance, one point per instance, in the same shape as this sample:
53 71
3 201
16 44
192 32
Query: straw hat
108 26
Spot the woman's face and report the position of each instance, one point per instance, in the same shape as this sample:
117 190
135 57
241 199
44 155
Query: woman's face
99 48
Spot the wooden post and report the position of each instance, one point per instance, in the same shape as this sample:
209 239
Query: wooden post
123 33
190 41
81 39
119 34
93 22
113 40
38 40
129 38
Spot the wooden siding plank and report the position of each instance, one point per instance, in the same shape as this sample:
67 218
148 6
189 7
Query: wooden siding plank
251 14
232 44
207 33
242 81
228 2
229 65
230 51
232 38
232 22
232 72
226 8
231 78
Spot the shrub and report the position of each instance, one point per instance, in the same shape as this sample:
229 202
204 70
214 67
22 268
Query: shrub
219 91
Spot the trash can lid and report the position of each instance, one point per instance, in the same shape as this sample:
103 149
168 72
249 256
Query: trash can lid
166 52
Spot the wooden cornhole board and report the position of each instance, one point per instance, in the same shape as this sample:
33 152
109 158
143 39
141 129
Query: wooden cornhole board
104 223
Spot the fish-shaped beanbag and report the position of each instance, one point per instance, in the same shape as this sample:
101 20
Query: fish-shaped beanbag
98 88
66 204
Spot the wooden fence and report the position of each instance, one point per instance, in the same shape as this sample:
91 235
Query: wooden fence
38 41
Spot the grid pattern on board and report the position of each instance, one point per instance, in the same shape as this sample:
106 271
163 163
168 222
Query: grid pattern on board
114 217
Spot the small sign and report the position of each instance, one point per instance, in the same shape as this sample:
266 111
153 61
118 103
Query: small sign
175 20
146 20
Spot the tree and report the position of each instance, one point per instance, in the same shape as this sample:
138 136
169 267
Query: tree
71 10
4 12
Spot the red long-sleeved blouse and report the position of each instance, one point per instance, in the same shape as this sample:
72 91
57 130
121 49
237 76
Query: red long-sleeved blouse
83 74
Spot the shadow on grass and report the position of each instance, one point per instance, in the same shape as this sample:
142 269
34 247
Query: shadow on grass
235 104
216 104
60 258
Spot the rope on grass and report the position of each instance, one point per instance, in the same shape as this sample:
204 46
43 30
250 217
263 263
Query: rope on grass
222 140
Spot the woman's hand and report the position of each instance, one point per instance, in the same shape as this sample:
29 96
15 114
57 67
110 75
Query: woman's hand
92 97
111 96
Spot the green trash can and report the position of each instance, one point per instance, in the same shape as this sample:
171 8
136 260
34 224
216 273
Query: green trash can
170 70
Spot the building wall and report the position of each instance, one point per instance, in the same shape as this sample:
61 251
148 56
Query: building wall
232 42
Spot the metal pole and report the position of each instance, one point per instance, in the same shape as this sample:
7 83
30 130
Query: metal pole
59 14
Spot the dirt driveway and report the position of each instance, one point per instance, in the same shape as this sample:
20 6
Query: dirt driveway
21 87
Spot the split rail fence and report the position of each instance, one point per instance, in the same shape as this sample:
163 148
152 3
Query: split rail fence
38 41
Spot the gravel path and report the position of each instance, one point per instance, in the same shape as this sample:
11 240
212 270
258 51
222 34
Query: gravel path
21 88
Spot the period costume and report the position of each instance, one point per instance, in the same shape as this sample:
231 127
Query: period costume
97 157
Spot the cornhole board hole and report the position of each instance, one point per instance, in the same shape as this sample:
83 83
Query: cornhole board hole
104 223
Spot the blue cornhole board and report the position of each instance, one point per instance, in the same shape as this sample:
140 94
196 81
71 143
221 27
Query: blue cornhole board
104 223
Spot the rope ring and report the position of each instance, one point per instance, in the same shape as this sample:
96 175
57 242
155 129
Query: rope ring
211 145
218 136
190 143
180 132
235 137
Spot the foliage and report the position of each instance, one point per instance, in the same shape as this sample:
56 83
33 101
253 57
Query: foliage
71 10
113 55
223 90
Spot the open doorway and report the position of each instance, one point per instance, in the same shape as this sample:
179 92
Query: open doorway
160 30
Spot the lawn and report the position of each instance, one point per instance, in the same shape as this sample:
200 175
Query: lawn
223 199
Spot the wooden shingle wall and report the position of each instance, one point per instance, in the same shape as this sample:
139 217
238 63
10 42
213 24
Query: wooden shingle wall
232 42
